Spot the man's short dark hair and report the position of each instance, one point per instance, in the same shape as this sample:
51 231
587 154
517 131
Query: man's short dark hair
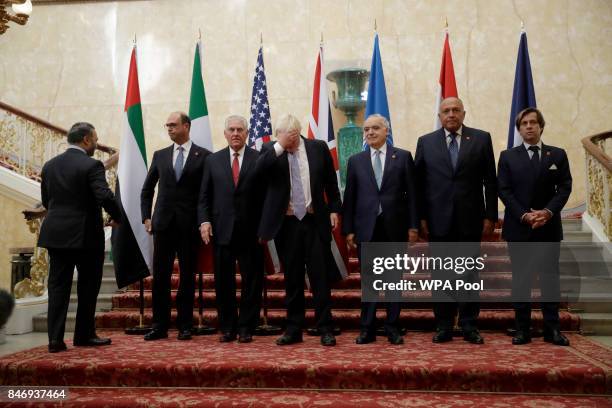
78 131
185 118
527 111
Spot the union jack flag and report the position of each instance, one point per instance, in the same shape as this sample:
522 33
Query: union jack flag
260 124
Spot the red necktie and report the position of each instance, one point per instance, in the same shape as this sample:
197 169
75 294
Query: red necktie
235 169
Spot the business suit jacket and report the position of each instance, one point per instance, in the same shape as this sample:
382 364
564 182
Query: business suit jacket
223 204
521 189
323 188
74 191
177 201
396 196
450 198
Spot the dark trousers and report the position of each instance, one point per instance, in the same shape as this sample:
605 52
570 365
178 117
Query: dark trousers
368 309
529 261
245 249
169 244
89 264
302 250
445 311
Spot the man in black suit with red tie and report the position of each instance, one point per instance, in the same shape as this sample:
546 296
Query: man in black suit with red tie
177 171
300 209
457 192
379 206
74 190
534 184
228 214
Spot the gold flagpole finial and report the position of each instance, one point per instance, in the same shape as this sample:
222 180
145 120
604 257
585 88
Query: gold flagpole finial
321 38
375 26
199 34
134 39
522 25
261 38
446 23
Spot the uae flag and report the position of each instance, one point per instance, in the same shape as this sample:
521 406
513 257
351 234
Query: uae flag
198 109
447 86
320 127
132 246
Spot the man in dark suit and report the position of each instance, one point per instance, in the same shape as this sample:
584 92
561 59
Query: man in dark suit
300 209
177 170
74 191
534 184
379 206
454 165
228 213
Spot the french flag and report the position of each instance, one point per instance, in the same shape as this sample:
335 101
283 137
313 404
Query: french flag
523 94
320 127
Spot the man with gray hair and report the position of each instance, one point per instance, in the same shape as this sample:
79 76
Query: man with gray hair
300 209
228 214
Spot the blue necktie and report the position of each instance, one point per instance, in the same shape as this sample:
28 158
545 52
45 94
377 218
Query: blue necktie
297 189
378 170
453 149
178 164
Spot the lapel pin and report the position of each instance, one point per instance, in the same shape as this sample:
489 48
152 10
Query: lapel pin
467 138
393 157
548 153
197 153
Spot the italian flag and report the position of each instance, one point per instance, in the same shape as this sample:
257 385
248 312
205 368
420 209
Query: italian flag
198 110
447 86
132 245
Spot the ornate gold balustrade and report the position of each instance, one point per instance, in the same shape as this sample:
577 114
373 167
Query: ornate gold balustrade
599 179
26 143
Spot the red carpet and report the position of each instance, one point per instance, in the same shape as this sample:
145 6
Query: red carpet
583 368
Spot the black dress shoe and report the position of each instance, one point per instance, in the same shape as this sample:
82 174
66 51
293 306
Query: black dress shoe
287 339
395 338
521 337
555 337
245 338
442 336
473 337
93 342
328 339
365 338
156 334
57 347
227 337
184 334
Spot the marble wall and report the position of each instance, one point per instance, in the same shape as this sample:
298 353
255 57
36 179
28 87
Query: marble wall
70 62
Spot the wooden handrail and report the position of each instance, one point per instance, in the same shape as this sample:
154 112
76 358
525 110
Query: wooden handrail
102 147
590 146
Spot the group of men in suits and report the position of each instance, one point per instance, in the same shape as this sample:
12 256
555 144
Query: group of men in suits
239 198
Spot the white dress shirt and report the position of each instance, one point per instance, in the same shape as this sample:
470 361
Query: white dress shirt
240 156
530 153
175 152
383 156
459 133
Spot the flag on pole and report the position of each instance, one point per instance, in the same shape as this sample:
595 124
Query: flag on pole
447 86
523 95
132 246
198 109
377 92
260 130
260 123
320 127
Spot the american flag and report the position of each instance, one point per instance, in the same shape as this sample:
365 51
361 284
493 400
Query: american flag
260 124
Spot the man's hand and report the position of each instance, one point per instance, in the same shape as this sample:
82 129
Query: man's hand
350 242
334 220
206 232
289 140
112 223
540 217
424 230
413 235
487 228
148 226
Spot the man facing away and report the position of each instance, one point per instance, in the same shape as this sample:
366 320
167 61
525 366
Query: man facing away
177 172
74 191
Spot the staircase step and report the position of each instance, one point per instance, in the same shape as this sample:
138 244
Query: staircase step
598 324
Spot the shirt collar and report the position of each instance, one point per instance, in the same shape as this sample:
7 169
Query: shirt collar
240 152
383 149
77 148
459 132
527 145
186 145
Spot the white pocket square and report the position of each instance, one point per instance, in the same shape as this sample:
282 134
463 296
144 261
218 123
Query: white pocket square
553 167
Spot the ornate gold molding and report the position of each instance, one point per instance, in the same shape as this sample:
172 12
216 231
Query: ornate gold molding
599 180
